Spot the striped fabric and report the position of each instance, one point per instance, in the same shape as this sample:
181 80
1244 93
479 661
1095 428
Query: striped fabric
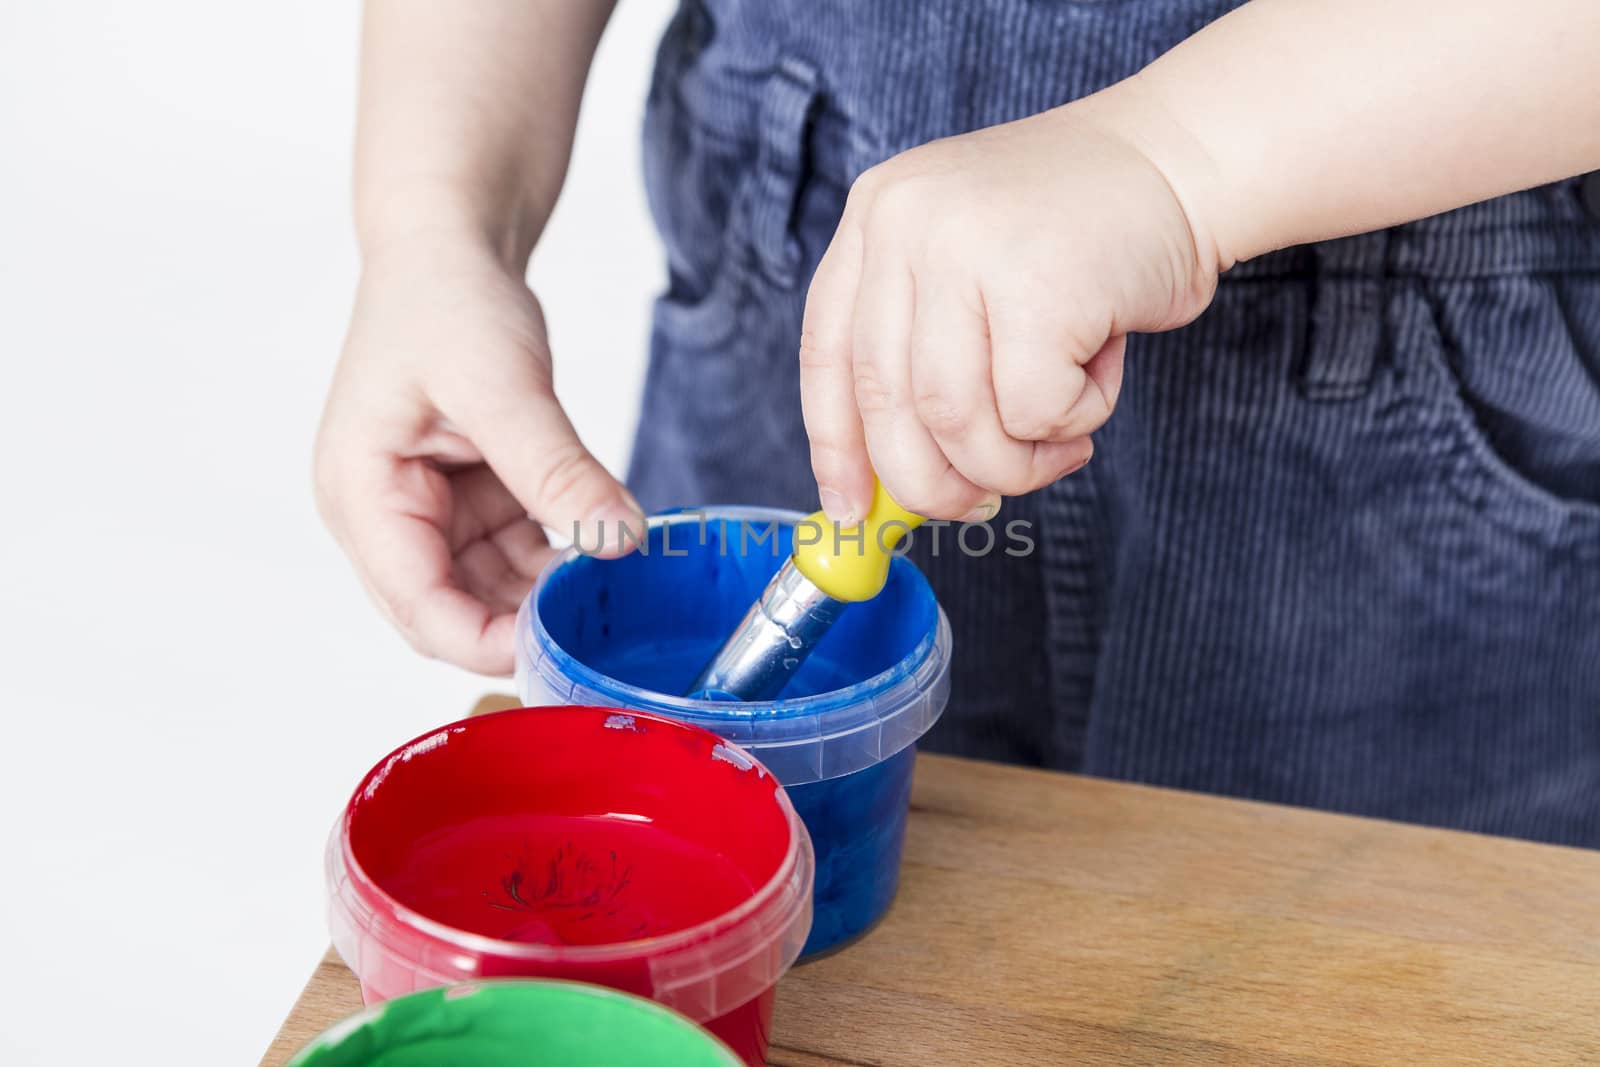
1340 544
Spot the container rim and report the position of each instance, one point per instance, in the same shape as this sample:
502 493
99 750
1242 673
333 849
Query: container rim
777 905
869 698
350 1024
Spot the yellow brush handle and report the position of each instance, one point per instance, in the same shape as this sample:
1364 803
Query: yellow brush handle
853 564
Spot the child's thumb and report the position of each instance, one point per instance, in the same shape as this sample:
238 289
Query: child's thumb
536 452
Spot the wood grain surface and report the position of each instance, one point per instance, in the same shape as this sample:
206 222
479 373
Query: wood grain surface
1051 919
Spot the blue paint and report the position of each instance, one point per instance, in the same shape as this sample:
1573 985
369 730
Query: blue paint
635 632
862 817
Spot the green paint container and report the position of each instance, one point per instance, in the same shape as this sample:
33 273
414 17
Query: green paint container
517 1023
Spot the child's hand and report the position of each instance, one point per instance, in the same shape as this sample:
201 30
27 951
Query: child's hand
965 329
441 437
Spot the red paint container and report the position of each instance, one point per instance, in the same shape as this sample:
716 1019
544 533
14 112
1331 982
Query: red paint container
622 849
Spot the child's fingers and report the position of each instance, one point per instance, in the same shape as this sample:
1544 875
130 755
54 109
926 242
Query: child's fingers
1054 460
827 387
908 460
953 393
1101 386
1038 375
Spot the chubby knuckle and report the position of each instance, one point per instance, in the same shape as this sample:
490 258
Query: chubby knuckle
813 354
898 207
1085 416
891 196
1013 480
829 458
934 495
943 411
864 190
919 498
1079 459
1023 423
1029 415
1065 428
874 394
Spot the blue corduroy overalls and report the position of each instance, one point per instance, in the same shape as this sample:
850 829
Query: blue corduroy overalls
1339 544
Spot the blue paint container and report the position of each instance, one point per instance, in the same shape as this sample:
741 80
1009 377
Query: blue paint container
634 632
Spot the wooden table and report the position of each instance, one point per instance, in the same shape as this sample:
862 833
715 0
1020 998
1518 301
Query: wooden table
1046 918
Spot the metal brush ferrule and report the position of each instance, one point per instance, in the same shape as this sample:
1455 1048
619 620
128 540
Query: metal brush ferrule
772 641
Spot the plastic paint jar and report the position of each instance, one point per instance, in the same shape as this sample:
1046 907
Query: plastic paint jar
633 632
513 1023
625 850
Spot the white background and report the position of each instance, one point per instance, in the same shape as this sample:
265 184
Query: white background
192 680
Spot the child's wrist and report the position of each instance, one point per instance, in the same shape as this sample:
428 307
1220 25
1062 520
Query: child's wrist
1133 111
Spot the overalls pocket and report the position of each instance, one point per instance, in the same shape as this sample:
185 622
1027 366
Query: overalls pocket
1509 478
726 162
729 169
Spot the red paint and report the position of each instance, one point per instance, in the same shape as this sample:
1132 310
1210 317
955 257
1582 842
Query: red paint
576 843
566 879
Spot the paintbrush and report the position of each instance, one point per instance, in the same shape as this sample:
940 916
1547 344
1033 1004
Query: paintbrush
829 569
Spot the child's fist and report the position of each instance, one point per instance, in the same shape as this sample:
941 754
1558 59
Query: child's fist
965 329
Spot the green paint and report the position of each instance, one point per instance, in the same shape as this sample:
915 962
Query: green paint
516 1024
